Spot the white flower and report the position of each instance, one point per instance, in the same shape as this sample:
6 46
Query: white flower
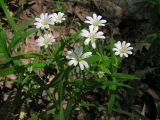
101 74
95 21
77 57
122 49
92 35
43 21
45 40
57 18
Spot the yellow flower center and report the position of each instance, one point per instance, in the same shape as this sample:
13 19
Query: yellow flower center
92 36
45 21
46 41
122 50
58 19
96 23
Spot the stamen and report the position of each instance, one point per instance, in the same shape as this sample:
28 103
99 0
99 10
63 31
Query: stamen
122 50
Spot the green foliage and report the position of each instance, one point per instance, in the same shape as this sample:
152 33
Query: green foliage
59 6
10 19
70 85
3 45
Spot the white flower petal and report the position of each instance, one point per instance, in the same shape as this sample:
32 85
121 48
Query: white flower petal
85 33
128 44
123 43
103 21
94 16
72 62
95 29
86 55
42 16
115 49
81 65
93 44
129 52
85 64
118 44
129 48
89 22
121 54
99 17
70 55
117 53
91 29
125 54
86 42
78 50
89 18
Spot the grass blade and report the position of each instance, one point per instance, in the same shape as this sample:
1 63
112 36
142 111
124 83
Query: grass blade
124 76
22 37
68 109
7 71
8 16
20 31
3 44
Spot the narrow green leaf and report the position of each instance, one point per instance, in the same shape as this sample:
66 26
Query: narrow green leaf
107 83
18 57
93 59
7 71
61 115
20 31
111 102
118 110
134 114
25 56
8 16
68 109
39 64
124 76
22 37
3 44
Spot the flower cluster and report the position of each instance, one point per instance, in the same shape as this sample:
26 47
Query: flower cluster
91 35
44 22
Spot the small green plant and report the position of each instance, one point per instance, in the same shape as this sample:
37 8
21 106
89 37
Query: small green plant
88 64
59 6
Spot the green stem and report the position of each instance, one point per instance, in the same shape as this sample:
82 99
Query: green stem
83 78
60 95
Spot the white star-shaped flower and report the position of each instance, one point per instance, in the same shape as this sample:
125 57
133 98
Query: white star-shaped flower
47 39
92 35
95 21
77 57
57 18
122 49
43 21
